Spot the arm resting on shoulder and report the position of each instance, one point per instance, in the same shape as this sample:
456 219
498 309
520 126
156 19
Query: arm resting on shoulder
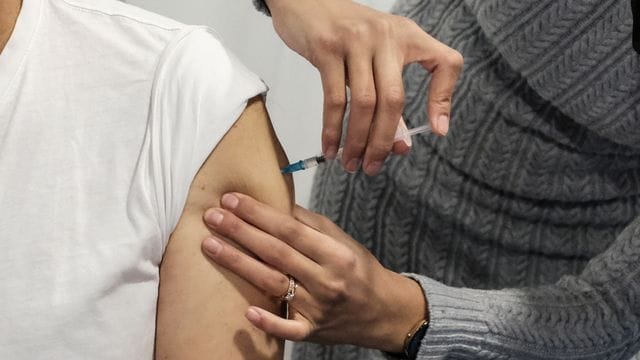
201 307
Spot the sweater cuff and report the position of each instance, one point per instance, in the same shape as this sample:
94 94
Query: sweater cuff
262 6
457 319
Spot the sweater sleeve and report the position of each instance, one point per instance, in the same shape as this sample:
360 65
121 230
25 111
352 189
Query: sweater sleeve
595 315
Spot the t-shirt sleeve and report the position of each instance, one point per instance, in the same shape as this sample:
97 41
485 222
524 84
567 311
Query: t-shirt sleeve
199 92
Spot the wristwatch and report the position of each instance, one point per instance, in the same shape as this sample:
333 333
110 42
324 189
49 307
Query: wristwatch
413 345
412 341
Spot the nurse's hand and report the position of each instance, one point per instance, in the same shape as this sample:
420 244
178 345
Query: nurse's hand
344 294
355 45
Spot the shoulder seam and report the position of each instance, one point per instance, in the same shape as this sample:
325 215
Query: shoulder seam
99 12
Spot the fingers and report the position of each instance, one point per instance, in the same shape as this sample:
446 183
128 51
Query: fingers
444 64
445 69
332 74
389 106
339 251
255 272
443 81
271 250
317 221
374 75
309 218
273 233
296 330
363 104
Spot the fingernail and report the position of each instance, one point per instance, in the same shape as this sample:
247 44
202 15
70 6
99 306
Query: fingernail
353 165
252 315
331 153
212 246
373 168
214 217
443 124
229 201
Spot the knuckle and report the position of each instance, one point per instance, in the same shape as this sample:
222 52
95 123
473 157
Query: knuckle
279 284
393 98
357 30
347 261
364 100
280 257
291 230
336 100
330 134
264 282
335 292
442 100
356 145
327 43
455 59
383 26
303 233
379 149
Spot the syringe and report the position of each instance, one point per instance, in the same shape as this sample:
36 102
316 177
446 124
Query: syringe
316 160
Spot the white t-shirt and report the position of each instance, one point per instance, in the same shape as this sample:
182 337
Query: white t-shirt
106 114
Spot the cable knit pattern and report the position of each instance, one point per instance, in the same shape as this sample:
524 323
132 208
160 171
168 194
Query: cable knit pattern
520 223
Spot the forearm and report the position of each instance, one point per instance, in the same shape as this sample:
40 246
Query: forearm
591 316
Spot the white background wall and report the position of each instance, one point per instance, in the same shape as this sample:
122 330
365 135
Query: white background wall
295 98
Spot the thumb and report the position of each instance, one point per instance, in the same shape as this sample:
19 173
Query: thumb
445 71
445 65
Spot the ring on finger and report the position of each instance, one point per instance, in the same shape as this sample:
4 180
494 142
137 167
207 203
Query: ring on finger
291 290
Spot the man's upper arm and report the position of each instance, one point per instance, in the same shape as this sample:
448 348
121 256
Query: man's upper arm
201 306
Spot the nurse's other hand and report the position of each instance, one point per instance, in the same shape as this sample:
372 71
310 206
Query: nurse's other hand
344 294
354 45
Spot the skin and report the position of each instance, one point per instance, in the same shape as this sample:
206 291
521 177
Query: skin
343 289
205 322
9 10
353 45
374 65
344 294
196 321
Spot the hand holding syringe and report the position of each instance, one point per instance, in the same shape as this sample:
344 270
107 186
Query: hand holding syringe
315 160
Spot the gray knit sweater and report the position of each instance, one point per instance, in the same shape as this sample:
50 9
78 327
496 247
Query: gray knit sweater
522 225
